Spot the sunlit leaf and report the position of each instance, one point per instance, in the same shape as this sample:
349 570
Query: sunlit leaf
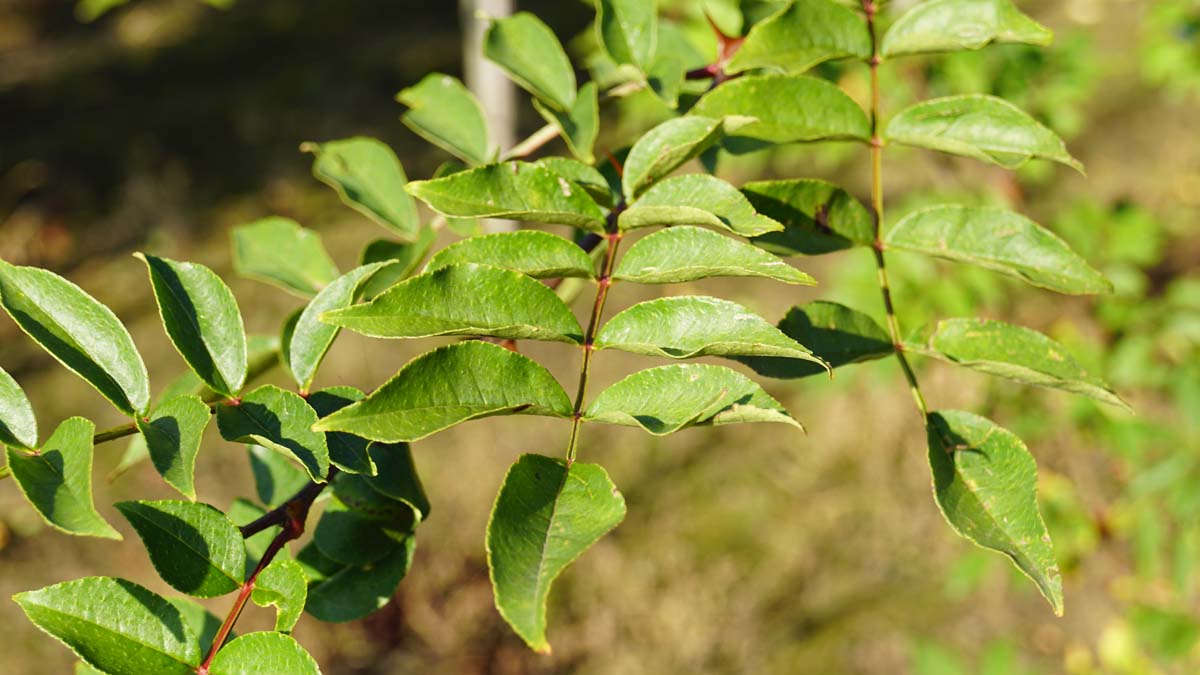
172 434
18 426
278 251
444 112
369 178
837 334
953 25
805 34
578 126
668 146
628 30
684 253
260 653
283 584
696 199
280 420
530 53
194 547
540 255
817 217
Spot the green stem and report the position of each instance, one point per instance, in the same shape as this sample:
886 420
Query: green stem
870 9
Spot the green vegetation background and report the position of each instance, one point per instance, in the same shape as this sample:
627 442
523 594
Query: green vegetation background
746 549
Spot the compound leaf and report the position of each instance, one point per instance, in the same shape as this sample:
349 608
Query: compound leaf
578 126
444 112
338 593
397 477
628 30
533 57
585 176
789 109
696 199
954 25
546 515
278 251
276 478
194 547
283 584
817 217
172 434
837 334
369 178
806 33
669 146
540 255
280 420
346 452
259 653
18 426
684 253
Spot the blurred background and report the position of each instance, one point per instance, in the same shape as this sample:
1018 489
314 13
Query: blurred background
160 124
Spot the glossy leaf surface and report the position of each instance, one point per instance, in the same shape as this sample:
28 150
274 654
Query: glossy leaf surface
806 33
261 653
369 178
531 54
953 25
310 338
444 112
668 146
540 255
789 109
817 217
684 253
18 426
628 30
696 199
837 334
172 435
278 251
281 421
282 584
194 547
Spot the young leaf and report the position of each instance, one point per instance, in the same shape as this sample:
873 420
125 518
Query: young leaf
696 199
348 453
669 398
310 338
115 625
1015 353
172 436
817 217
275 477
369 178
981 127
354 538
669 146
343 593
444 112
278 251
686 327
18 426
84 335
397 477
628 30
245 512
540 255
529 52
203 321
954 25
194 547
260 653
806 33
449 385
57 480
580 125
998 240
985 482
837 334
789 109
684 253
514 190
279 420
282 583
546 515
464 299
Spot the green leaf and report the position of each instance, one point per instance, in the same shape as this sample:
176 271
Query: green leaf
696 199
998 240
261 653
202 319
669 398
84 335
514 190
837 334
683 253
954 25
583 175
279 252
172 435
115 625
807 33
789 109
985 482
136 452
546 515
1015 353
686 327
628 30
403 257
580 125
817 217
465 299
57 480
245 512
276 478
310 338
369 178
348 453
669 146
346 593
981 127
444 112
282 583
351 537
18 426
359 495
397 477
194 547
449 385
532 56
280 420
540 255
203 623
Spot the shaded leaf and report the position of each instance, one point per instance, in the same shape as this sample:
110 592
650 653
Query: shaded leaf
18 426
340 593
998 240
982 127
669 146
348 453
115 625
584 175
683 253
353 538
404 259
275 477
449 385
985 482
789 109
278 251
444 112
84 335
540 255
628 30
397 477
280 420
194 547
546 516
57 480
532 56
1015 353
172 435
369 178
359 495
260 653
204 624
817 217
202 319
835 333
578 126
310 338
953 25
696 199
666 399
807 33
464 299
283 584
